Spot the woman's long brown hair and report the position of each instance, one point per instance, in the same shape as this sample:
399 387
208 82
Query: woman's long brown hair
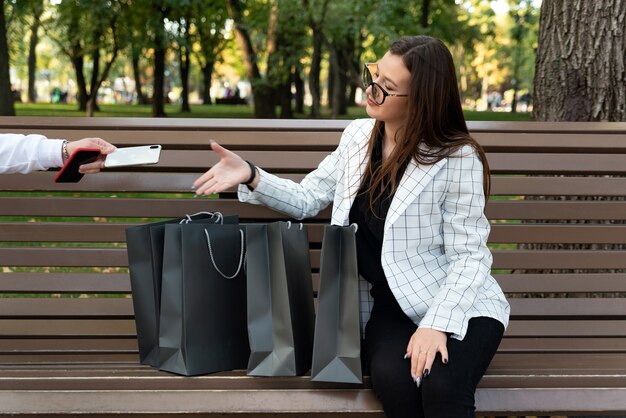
434 127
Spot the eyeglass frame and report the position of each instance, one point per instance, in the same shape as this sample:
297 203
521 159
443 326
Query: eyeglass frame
368 75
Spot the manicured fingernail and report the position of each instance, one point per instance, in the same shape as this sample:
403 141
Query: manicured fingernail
406 356
426 373
419 381
193 187
195 196
414 377
445 361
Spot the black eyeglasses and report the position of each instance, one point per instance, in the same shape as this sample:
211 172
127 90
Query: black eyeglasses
379 94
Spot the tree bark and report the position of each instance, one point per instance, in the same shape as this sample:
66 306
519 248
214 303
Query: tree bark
298 83
316 58
314 74
141 98
6 94
207 75
184 78
425 13
92 95
32 60
158 106
580 61
262 91
78 63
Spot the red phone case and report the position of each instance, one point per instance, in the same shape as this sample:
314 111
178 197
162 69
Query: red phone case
69 172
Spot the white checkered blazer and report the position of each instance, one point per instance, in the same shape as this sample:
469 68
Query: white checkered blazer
434 252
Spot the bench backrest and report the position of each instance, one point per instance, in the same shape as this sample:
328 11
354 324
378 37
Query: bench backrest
64 286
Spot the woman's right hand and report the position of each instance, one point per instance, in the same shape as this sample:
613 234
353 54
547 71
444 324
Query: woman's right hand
230 171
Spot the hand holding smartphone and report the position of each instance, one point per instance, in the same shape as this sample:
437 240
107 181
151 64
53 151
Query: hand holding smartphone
69 172
141 155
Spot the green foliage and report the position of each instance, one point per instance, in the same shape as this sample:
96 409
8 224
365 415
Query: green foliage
487 47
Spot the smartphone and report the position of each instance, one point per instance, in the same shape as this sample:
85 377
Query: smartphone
145 154
69 172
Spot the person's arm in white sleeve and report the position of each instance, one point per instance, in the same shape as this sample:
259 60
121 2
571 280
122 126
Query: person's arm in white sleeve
26 153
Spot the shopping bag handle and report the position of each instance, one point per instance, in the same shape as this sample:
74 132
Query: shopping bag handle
289 225
208 241
220 217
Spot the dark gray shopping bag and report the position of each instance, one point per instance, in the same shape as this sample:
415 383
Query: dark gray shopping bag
281 316
203 325
145 261
337 345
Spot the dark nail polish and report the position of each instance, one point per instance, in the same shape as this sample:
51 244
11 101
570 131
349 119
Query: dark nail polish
445 361
426 373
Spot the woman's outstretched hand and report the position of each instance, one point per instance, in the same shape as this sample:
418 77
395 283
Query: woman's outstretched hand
231 170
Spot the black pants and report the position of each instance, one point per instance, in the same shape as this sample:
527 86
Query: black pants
448 392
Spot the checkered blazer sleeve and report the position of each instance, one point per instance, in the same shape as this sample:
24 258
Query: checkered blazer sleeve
300 200
465 231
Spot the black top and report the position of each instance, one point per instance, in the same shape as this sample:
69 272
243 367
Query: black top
369 236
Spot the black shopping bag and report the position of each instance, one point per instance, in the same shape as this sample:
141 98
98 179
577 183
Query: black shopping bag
281 316
145 261
203 300
337 345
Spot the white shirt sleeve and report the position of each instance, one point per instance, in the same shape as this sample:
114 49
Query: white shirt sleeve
26 153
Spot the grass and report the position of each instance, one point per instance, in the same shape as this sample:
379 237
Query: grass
217 111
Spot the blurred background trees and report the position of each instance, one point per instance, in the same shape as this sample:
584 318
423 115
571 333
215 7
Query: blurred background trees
280 56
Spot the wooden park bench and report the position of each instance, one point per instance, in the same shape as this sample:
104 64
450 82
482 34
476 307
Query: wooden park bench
67 335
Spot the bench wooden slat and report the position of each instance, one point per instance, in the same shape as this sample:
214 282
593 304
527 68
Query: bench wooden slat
129 207
129 345
500 233
77 345
39 282
303 404
560 283
527 163
121 308
559 259
558 234
171 208
55 328
557 186
502 259
118 328
556 210
118 182
120 283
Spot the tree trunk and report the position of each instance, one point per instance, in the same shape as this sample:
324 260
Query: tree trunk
340 102
158 107
580 61
6 94
141 99
92 95
184 78
78 64
425 13
330 80
284 93
314 74
262 91
207 75
32 60
299 85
